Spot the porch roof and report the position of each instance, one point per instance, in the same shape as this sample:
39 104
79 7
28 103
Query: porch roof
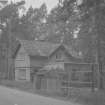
58 67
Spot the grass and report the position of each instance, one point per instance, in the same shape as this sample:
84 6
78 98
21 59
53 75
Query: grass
87 97
83 96
16 84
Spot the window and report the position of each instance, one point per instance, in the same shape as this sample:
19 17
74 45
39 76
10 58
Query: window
59 56
87 76
74 75
22 74
20 57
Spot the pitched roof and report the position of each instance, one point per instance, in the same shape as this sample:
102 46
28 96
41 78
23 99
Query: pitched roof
42 48
39 48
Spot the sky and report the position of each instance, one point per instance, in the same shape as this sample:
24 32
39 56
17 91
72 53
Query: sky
37 3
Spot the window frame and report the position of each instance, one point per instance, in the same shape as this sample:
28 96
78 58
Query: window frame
20 77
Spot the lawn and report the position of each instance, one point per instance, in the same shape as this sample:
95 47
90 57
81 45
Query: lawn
27 86
83 96
87 97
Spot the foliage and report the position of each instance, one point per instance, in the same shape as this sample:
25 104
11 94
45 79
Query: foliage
90 17
32 22
75 25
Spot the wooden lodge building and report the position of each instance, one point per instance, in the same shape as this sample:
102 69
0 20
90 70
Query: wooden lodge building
37 54
49 64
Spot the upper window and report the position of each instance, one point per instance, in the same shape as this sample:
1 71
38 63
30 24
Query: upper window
20 57
59 56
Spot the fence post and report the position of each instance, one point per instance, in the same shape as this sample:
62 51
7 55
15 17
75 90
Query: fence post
92 67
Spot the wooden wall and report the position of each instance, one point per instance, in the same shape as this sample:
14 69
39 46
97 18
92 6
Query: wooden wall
22 61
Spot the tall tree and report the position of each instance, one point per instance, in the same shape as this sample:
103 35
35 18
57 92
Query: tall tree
94 9
63 24
97 8
8 14
33 22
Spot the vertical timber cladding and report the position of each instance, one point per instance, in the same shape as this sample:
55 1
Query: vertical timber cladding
80 75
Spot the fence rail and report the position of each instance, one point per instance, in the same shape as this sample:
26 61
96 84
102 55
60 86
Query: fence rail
86 81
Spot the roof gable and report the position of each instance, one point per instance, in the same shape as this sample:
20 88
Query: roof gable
42 48
68 51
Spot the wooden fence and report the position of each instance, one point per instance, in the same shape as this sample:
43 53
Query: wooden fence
64 81
80 78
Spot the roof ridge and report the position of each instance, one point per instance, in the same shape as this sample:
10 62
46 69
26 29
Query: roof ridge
21 40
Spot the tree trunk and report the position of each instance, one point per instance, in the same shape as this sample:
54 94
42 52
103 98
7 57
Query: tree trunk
98 32
9 59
